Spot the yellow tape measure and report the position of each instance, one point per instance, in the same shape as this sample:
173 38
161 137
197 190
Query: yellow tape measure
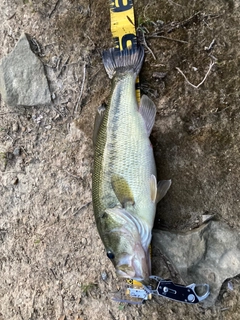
123 23
123 27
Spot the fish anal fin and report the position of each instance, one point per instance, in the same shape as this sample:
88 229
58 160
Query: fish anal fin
122 190
162 189
148 111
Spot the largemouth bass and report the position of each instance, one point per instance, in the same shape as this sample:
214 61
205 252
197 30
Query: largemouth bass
125 190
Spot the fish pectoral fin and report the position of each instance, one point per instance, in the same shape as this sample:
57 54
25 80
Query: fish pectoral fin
153 188
162 189
122 190
98 121
148 111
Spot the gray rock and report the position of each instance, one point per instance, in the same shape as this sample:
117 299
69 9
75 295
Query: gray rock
22 77
209 254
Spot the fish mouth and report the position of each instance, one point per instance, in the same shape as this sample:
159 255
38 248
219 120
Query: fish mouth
135 267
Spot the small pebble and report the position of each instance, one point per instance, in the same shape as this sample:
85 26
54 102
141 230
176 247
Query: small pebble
15 127
17 152
160 22
84 241
15 181
104 275
70 105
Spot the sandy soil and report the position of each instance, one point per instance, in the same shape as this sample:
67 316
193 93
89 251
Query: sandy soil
52 262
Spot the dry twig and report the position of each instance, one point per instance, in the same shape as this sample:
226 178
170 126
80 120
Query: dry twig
54 8
66 211
205 77
167 38
11 16
84 206
82 87
145 43
210 46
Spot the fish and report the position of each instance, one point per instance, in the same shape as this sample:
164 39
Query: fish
124 181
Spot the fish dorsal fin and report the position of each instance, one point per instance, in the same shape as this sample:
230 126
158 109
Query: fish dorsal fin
153 188
98 121
148 111
122 190
162 189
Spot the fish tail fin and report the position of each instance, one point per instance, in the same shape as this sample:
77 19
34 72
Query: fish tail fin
116 61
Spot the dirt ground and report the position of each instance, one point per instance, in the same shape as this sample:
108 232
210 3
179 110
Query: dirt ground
52 262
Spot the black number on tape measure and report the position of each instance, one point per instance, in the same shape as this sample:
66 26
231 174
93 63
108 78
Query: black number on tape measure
118 6
127 41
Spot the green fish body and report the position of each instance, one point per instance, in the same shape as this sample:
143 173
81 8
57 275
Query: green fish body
125 191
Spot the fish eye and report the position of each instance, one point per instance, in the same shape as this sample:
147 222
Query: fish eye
110 255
